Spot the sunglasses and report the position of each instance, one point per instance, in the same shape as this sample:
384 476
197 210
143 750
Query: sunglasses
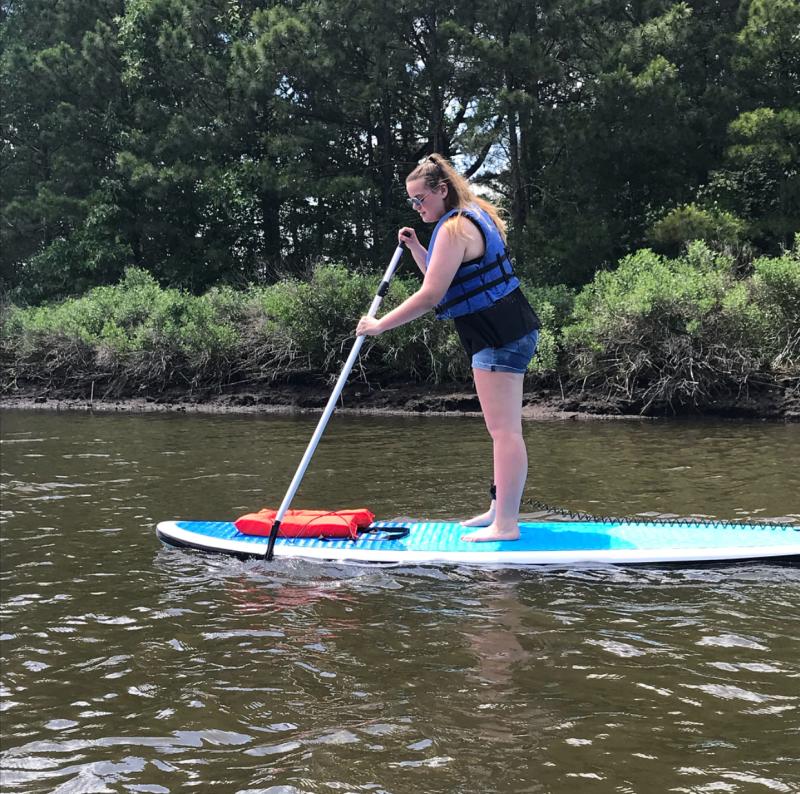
415 203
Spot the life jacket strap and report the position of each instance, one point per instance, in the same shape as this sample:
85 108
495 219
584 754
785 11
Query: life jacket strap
498 263
443 307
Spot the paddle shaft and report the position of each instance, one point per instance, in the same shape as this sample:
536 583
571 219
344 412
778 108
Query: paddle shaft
329 408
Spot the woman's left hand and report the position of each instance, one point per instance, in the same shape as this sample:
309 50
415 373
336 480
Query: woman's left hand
368 326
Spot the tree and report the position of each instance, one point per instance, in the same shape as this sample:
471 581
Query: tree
62 110
233 141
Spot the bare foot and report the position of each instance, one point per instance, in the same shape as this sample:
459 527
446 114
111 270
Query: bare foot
492 533
483 520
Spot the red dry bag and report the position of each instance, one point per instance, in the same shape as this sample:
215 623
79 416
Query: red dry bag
307 523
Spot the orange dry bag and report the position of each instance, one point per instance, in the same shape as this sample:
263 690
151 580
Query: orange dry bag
307 523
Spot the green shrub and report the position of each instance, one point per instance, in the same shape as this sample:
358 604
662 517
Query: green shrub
776 293
133 332
679 332
314 323
316 319
680 226
553 304
657 331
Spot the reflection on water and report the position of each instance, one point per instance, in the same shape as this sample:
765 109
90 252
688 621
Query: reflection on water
129 667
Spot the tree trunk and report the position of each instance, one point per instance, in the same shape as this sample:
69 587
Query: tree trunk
519 210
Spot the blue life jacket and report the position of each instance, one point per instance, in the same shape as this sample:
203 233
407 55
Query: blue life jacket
478 283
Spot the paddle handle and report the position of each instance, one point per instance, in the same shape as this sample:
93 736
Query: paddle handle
332 400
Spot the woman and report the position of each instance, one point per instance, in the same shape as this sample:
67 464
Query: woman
469 277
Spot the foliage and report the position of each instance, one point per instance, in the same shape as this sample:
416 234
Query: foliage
760 173
134 336
655 332
317 318
776 286
212 142
720 229
680 332
137 336
553 305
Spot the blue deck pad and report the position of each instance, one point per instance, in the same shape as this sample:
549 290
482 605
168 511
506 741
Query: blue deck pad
543 536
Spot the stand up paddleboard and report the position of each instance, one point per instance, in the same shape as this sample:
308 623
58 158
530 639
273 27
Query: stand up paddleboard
541 543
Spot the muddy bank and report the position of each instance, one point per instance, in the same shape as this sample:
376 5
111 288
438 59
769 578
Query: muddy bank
456 400
778 402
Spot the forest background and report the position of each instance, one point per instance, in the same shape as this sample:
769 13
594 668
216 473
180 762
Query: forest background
201 194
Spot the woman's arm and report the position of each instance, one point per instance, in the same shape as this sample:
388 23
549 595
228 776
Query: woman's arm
448 254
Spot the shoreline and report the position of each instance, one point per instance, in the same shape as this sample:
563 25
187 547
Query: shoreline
454 404
139 405
398 400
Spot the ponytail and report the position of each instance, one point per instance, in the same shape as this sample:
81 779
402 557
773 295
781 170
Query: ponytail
437 170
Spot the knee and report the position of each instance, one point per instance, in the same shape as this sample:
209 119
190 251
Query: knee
506 435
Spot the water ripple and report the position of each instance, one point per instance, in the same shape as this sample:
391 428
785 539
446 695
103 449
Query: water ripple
126 667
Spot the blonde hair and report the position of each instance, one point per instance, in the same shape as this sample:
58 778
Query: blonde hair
436 170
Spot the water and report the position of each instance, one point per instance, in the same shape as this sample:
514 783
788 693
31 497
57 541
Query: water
127 667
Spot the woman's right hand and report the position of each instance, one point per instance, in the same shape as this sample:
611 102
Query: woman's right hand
408 236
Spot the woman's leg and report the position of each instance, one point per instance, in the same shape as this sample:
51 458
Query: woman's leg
500 395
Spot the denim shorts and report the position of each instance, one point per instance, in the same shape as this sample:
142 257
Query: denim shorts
513 357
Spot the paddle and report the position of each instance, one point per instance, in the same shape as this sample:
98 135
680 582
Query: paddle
326 414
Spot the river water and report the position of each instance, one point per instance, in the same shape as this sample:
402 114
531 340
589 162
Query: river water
128 667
